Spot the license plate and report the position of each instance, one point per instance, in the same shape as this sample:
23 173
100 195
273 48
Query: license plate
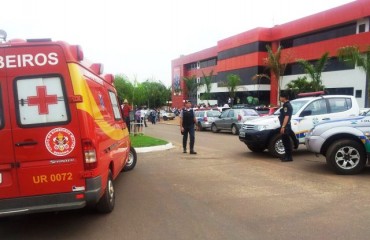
242 134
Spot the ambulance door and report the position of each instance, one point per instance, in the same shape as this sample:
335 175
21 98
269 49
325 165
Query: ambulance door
8 171
45 139
46 135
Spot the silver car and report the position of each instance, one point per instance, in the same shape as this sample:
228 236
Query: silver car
205 118
233 119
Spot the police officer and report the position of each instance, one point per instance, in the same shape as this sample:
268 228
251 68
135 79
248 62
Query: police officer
286 129
187 121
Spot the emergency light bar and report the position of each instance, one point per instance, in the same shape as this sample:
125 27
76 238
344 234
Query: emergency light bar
311 94
3 36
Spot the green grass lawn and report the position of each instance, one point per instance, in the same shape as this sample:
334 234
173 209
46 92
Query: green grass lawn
146 141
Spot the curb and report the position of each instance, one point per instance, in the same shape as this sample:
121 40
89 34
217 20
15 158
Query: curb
155 148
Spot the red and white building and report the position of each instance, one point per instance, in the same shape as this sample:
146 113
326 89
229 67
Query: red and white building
306 38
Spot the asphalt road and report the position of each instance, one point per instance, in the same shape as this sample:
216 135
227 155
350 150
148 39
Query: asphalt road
223 192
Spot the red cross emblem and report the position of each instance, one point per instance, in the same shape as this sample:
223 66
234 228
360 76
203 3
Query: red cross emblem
42 100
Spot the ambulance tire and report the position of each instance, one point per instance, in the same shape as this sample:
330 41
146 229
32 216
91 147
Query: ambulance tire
131 162
107 201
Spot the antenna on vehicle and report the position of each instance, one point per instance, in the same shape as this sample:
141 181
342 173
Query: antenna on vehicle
3 36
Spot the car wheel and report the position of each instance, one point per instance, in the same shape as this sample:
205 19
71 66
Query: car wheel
214 128
165 118
200 128
132 159
346 157
255 148
276 147
107 201
234 129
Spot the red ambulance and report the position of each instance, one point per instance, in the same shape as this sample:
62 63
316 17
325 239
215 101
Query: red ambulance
63 139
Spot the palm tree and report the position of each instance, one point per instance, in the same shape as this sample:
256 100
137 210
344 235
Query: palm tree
233 80
207 86
192 87
314 71
275 65
353 55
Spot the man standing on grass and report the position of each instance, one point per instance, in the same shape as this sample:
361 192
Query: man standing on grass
187 121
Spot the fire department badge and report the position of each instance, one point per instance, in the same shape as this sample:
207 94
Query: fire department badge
60 141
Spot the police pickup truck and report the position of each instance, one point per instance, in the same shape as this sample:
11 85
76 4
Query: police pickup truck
344 142
263 133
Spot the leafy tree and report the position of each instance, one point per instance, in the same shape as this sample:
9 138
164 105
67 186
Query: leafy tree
233 80
352 55
151 93
124 87
275 64
191 87
314 71
300 85
207 85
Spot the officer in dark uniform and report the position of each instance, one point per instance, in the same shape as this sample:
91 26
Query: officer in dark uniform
286 128
187 122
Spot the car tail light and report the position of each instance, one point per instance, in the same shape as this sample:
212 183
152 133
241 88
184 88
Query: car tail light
239 118
89 152
205 119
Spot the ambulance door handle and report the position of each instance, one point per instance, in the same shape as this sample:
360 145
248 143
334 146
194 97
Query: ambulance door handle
27 143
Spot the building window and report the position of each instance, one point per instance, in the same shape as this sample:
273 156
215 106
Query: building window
332 33
198 80
361 28
358 93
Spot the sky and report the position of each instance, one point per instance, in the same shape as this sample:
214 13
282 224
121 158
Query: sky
139 38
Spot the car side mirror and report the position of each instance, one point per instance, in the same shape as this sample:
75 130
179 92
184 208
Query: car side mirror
306 113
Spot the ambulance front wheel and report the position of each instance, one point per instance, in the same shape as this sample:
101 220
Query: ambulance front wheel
131 162
107 201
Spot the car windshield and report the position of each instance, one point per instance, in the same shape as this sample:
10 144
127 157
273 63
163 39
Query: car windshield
249 112
296 105
213 113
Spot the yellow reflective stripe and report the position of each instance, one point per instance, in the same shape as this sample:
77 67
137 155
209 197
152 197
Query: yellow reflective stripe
80 87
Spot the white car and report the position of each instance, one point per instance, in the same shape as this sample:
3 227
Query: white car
263 133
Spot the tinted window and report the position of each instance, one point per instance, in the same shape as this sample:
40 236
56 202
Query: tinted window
41 100
224 113
231 113
317 107
213 113
115 105
339 104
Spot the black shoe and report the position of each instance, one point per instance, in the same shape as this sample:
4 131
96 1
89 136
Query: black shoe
192 152
184 151
285 159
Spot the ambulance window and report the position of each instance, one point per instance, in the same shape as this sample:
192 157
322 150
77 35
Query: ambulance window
115 105
41 101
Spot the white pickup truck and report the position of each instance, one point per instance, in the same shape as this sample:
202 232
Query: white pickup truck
344 142
263 133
